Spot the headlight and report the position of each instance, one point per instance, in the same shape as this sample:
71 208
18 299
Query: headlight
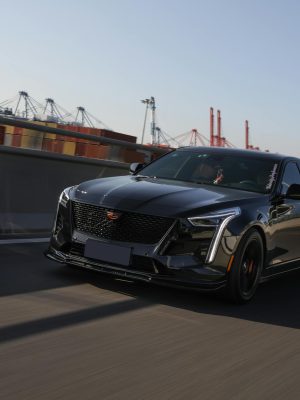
218 220
215 218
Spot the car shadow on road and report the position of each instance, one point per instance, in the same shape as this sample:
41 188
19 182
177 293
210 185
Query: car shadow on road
24 269
276 302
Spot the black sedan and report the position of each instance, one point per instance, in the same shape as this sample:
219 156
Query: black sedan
204 218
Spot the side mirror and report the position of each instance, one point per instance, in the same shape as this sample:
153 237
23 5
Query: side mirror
135 167
293 192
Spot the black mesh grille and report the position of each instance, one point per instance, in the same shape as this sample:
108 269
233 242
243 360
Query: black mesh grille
130 227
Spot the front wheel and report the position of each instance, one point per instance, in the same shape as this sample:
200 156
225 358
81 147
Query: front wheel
246 269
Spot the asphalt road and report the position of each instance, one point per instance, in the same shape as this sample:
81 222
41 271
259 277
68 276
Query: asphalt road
74 334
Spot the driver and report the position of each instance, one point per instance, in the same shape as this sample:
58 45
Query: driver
209 172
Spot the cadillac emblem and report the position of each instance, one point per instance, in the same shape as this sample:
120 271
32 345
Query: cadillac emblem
113 215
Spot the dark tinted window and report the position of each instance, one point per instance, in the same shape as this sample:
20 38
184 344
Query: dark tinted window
247 172
291 175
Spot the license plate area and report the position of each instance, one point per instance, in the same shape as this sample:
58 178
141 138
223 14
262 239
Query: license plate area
107 252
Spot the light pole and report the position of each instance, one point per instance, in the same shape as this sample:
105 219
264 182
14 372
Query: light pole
153 123
146 101
150 103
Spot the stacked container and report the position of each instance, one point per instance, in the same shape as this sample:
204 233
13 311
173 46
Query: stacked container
13 136
2 133
32 139
68 142
50 141
28 138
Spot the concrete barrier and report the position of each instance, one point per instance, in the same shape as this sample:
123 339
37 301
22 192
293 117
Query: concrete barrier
31 182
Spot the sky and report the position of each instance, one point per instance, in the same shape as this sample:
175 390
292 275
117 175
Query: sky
239 56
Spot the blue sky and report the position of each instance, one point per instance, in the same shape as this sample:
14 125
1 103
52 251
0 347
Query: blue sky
241 57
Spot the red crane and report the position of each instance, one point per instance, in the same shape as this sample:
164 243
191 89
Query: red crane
248 146
217 140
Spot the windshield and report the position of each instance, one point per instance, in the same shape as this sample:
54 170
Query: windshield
229 170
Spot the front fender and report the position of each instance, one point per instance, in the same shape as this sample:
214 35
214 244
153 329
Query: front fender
238 227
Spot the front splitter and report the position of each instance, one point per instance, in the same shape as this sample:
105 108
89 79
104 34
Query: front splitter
82 262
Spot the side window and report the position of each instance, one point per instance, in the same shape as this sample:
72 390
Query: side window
291 175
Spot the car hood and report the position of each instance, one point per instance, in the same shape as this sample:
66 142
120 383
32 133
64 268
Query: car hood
159 196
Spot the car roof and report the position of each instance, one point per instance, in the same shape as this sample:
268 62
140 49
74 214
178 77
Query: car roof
238 152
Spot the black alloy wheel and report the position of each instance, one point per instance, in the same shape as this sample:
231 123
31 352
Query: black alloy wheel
246 269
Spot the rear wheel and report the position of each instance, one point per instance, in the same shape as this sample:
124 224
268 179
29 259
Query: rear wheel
246 270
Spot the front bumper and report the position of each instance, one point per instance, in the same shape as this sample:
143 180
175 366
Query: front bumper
148 262
185 278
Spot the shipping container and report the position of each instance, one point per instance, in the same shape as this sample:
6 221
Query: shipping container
9 129
103 152
12 136
50 136
12 140
44 118
32 139
69 148
131 156
73 128
16 139
81 149
95 150
118 136
53 145
2 134
95 131
8 139
51 124
17 130
92 150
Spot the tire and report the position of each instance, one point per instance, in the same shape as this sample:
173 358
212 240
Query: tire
246 269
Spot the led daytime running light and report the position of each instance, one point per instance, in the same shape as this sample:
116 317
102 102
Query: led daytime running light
222 218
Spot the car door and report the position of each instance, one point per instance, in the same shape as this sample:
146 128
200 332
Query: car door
285 220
